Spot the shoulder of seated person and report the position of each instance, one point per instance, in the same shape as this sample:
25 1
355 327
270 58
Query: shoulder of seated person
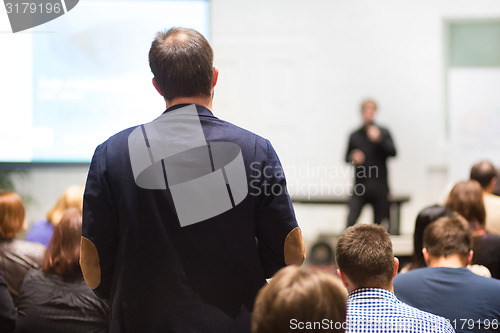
29 249
491 197
29 246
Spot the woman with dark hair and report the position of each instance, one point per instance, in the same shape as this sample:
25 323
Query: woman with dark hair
56 299
466 198
424 218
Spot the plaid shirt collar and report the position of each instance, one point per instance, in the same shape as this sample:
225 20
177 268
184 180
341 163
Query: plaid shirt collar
368 293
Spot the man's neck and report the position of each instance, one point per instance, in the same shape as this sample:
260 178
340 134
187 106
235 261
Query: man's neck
451 261
203 101
488 189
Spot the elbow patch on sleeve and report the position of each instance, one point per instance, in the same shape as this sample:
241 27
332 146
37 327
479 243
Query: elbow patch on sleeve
89 262
295 250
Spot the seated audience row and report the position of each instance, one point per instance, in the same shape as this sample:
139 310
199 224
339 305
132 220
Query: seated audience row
45 284
366 266
443 297
434 293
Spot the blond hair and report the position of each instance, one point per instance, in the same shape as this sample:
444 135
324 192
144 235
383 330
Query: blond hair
71 198
304 295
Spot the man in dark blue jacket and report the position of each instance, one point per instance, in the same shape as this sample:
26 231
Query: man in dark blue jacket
185 217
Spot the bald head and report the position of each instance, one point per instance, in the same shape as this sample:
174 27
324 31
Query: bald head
485 174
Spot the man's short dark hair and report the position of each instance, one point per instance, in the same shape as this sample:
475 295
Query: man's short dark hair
483 172
447 236
364 254
181 60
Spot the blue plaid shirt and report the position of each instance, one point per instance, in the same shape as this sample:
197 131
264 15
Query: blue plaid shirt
378 310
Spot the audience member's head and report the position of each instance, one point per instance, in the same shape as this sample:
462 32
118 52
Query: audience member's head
485 174
365 259
12 214
63 253
496 190
448 242
71 198
368 109
295 296
171 59
466 198
424 218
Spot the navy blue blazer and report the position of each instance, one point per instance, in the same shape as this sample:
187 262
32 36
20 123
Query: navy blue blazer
160 276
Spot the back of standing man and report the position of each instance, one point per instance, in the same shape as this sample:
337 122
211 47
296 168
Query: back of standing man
180 229
368 149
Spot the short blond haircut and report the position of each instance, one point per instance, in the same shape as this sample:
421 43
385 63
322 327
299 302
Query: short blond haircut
12 214
304 295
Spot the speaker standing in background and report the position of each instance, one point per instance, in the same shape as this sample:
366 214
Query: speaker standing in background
368 150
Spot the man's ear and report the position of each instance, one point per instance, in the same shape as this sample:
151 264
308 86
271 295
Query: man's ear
343 277
427 256
396 267
216 76
469 258
156 86
493 182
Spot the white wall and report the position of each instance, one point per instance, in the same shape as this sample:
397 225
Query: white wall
294 71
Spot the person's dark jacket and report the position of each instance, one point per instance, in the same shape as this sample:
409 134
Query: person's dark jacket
373 172
16 258
7 309
161 276
51 303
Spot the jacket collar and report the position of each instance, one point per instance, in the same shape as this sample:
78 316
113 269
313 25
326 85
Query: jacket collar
202 111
